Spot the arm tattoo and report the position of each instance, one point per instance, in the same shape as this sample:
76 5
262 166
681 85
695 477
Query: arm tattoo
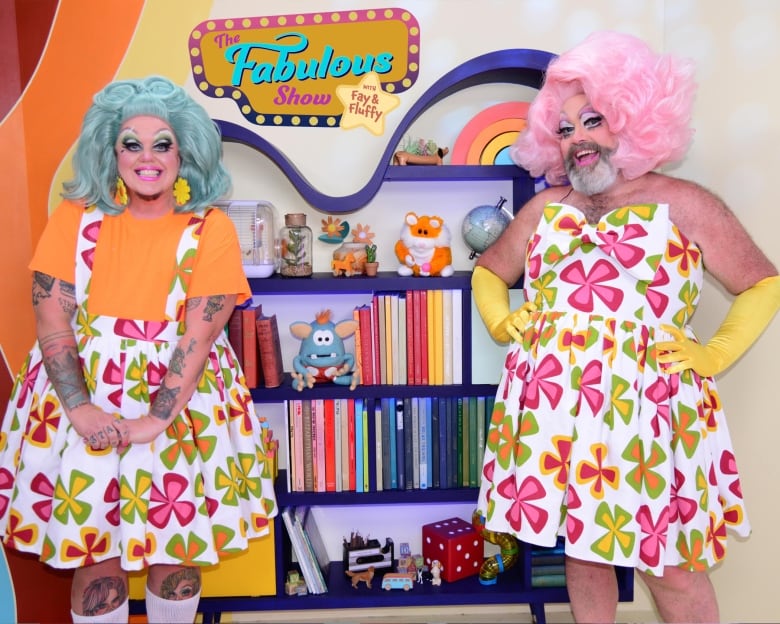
41 288
213 305
164 402
63 365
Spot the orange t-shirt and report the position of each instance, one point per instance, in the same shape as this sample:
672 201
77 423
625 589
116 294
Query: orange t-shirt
135 260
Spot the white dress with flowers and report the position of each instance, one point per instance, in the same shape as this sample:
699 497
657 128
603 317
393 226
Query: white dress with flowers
590 438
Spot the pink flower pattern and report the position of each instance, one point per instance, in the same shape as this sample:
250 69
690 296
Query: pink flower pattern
586 371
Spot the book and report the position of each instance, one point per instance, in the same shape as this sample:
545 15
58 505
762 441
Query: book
412 360
306 518
438 338
235 329
429 333
379 447
270 350
408 442
358 416
435 443
415 438
457 337
423 420
318 436
400 341
303 555
377 356
358 367
366 344
251 347
384 433
297 456
308 447
343 418
443 446
391 336
400 443
329 443
366 448
446 337
351 444
422 295
465 442
381 326
473 450
392 441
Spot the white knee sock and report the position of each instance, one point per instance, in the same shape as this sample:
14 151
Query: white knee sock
119 615
160 610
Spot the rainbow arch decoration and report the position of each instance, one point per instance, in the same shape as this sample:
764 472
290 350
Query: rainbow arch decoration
487 137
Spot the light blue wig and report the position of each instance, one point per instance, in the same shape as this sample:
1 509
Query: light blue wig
200 143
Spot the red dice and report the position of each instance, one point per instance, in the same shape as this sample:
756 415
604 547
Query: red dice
456 545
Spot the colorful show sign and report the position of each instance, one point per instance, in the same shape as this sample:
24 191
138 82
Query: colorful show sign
285 70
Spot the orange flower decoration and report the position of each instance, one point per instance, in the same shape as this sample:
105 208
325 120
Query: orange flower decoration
362 234
332 227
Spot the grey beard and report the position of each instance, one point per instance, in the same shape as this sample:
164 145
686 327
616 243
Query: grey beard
591 181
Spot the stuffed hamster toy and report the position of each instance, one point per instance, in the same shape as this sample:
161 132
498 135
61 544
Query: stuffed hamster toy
424 247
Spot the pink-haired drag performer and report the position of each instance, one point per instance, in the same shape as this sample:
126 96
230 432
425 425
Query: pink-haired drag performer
607 427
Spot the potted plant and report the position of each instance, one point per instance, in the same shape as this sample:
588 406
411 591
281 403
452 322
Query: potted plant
371 266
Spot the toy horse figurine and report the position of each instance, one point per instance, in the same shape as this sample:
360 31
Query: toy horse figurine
322 356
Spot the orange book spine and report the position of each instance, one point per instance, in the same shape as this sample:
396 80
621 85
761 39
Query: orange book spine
251 346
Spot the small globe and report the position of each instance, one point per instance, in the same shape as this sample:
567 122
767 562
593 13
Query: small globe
483 225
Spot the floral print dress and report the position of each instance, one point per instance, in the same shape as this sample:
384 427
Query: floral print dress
200 490
589 437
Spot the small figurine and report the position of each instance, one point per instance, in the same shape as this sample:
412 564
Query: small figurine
322 356
366 576
424 246
420 152
436 569
295 585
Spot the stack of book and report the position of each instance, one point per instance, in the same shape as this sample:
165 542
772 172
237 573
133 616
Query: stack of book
411 443
411 338
308 547
547 567
254 337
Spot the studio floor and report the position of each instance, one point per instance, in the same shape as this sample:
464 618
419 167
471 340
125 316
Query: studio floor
478 614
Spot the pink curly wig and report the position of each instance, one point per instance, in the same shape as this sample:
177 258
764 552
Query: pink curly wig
645 98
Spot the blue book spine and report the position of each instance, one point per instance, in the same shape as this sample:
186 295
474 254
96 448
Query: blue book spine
435 443
388 408
359 445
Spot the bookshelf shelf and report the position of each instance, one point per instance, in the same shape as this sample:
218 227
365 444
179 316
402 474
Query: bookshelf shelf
511 587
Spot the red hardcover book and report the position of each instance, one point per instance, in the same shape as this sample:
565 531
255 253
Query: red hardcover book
236 335
411 356
358 367
351 443
251 345
270 345
329 418
424 376
366 344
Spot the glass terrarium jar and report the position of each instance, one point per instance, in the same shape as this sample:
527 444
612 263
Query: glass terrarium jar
296 246
256 226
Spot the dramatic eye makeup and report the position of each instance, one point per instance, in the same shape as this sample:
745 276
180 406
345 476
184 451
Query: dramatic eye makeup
162 142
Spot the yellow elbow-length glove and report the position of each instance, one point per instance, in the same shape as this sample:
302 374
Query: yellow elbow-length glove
491 295
748 316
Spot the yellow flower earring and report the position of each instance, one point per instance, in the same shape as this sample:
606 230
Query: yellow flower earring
181 191
120 196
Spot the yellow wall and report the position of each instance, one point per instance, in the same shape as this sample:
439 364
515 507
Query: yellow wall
736 46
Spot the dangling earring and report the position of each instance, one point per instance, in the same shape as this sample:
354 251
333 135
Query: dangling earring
120 197
181 191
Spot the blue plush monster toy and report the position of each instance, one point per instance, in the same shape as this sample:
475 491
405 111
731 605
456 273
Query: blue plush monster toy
322 356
